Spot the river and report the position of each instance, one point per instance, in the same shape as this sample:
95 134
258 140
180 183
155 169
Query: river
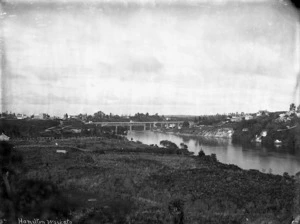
276 160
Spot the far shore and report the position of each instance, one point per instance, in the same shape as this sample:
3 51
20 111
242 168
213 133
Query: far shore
195 133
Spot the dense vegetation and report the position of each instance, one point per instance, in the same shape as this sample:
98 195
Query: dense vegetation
119 181
102 117
210 119
146 117
26 197
25 128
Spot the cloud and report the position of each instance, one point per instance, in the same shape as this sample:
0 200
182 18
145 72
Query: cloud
145 65
153 55
15 76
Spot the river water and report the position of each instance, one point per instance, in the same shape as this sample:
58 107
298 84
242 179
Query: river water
276 160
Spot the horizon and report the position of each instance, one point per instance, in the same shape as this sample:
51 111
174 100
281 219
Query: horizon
171 115
174 57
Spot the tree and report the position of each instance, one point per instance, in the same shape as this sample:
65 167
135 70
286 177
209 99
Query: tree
201 153
185 124
298 109
195 120
168 144
183 146
292 107
66 116
9 163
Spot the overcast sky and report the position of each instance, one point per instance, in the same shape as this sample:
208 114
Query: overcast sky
166 57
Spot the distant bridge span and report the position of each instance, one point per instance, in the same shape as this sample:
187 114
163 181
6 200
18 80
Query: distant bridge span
136 123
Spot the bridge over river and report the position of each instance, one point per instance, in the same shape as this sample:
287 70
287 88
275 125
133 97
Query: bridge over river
150 124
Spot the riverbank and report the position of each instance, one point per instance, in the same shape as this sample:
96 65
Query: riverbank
119 181
203 131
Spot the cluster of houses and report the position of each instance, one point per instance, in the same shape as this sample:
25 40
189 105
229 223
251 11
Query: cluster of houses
287 116
58 130
71 126
169 126
242 116
20 116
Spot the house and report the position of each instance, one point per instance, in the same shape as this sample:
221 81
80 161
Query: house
236 119
4 137
76 130
264 133
245 129
230 132
277 142
262 112
248 117
191 124
172 125
257 139
290 113
282 115
40 116
21 116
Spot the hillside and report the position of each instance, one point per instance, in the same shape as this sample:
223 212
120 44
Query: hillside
119 181
268 130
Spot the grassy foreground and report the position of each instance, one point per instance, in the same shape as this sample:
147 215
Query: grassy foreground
117 181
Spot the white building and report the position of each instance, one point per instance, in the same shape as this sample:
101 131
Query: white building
4 137
21 116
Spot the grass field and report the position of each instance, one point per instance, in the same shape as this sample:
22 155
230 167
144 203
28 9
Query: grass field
116 181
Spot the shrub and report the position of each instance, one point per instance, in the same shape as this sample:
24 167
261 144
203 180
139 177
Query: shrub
39 199
213 157
176 209
26 198
201 153
168 144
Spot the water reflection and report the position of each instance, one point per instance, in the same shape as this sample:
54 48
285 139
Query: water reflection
276 160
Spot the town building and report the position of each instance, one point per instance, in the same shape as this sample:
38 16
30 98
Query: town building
21 116
41 116
4 137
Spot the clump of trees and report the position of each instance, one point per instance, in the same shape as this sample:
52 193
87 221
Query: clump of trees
185 124
25 128
102 117
209 119
168 144
211 158
171 145
146 117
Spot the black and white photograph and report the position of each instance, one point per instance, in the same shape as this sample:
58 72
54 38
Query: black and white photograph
149 112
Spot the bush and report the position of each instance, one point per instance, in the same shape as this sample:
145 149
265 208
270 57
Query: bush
26 198
213 157
176 209
39 199
185 124
201 153
168 144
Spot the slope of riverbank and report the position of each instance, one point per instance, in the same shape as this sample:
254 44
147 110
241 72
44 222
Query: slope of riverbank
204 130
115 181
